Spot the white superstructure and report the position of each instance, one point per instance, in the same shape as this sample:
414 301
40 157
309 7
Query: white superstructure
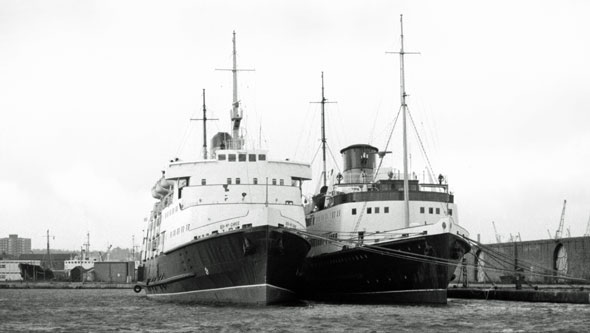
233 190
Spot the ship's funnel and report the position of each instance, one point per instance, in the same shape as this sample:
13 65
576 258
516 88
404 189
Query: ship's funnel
359 163
221 140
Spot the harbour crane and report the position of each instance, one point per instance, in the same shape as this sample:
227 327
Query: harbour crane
498 237
559 230
108 253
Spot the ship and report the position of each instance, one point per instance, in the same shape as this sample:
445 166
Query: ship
224 226
372 243
84 261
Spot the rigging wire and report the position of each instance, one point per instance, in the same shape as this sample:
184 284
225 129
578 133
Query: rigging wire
375 121
309 130
335 128
423 258
509 261
316 154
188 128
389 139
421 144
333 159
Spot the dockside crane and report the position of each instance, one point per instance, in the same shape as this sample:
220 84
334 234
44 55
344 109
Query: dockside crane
498 237
559 230
108 253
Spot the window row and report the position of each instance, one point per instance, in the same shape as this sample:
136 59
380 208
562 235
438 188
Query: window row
179 230
171 212
241 157
326 217
375 210
432 210
238 181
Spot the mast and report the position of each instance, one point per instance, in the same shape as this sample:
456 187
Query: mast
323 102
404 111
48 252
323 133
236 116
204 119
87 245
204 128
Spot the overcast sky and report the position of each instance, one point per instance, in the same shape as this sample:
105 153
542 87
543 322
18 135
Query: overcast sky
96 96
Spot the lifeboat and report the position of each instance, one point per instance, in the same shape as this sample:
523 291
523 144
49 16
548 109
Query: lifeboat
162 188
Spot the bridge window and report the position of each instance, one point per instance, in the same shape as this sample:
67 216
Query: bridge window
231 157
221 157
430 210
261 157
252 157
203 181
237 181
281 182
242 157
229 181
274 181
421 210
369 210
376 210
181 184
438 211
354 211
450 211
255 181
386 210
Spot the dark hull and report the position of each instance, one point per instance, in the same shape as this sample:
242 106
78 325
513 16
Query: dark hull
248 266
355 275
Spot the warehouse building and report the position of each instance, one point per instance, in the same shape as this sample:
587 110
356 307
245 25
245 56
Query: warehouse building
114 271
10 270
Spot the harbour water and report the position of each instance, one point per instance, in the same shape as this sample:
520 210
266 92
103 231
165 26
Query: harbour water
86 310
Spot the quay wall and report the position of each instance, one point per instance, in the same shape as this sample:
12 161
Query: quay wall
63 285
540 261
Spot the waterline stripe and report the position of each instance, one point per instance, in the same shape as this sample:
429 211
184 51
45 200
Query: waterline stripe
225 288
397 291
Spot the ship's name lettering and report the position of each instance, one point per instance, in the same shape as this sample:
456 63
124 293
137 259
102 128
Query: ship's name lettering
234 224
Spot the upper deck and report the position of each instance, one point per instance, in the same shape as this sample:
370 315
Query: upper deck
244 165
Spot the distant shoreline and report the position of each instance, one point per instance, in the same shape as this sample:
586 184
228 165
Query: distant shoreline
64 285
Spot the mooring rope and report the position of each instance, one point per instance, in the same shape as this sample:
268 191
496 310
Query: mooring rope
423 258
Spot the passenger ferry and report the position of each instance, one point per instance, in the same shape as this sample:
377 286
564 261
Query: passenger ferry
223 229
380 236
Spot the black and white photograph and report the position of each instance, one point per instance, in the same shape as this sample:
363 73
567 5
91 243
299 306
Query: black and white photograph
294 166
